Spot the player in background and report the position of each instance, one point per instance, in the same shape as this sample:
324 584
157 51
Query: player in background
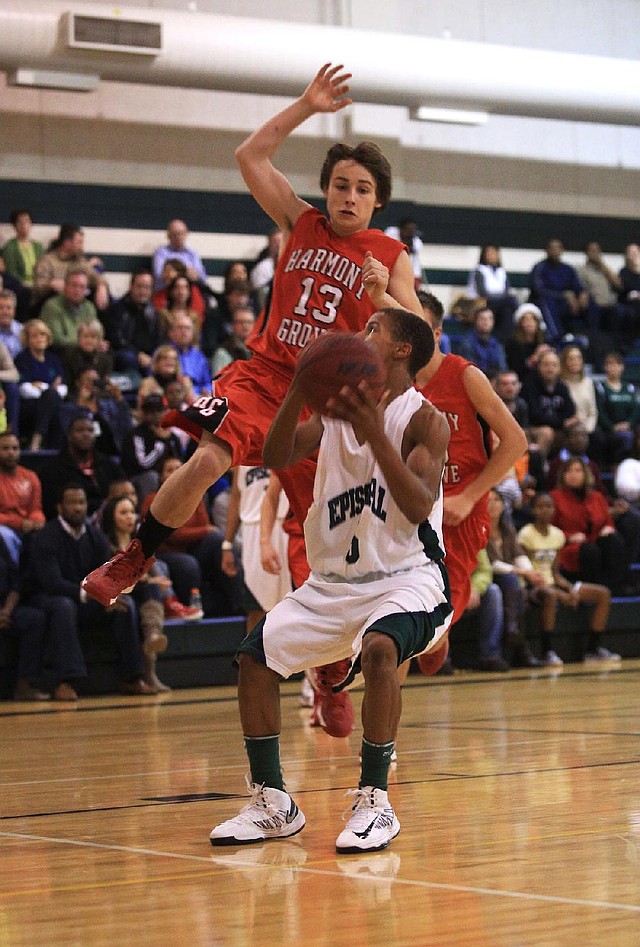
332 274
485 443
377 593
251 488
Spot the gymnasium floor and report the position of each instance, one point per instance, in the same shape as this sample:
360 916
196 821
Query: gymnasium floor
518 794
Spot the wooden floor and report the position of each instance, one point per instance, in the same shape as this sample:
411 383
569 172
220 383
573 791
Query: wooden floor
518 794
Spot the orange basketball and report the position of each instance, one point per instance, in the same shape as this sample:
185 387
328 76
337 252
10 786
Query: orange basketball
334 360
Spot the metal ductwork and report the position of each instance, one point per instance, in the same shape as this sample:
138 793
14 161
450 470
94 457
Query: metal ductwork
233 54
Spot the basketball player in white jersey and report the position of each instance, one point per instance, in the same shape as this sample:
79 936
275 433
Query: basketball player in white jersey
377 593
266 588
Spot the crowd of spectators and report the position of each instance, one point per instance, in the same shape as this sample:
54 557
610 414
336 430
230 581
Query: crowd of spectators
85 379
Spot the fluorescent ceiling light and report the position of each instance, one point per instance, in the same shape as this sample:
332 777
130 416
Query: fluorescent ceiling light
450 116
42 79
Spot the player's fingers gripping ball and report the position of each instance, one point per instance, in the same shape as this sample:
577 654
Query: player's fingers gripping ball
334 360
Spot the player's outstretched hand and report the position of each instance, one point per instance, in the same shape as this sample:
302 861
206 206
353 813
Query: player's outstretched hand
327 92
362 408
375 277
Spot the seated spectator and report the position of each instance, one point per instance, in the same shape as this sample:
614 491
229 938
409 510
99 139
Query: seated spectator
61 553
10 328
65 311
19 257
133 326
199 292
21 253
9 378
261 273
595 550
91 351
235 346
583 394
105 404
626 518
20 497
576 445
147 445
556 289
119 525
485 602
407 232
629 296
176 248
480 346
179 304
603 286
543 542
25 623
165 368
79 463
66 252
490 282
551 409
198 539
41 388
218 322
507 386
510 569
194 366
526 343
618 409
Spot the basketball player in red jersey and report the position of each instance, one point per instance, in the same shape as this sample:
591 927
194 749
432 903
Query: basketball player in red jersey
332 274
485 443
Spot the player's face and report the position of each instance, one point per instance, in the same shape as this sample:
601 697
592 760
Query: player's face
378 333
351 197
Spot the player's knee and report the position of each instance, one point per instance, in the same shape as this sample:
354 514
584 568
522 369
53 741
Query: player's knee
379 654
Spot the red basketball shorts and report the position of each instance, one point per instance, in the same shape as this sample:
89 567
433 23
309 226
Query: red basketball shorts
462 544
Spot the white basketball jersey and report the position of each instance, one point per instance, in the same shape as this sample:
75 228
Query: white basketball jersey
252 483
354 527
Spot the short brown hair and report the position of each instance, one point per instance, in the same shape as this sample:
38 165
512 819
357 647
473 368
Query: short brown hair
370 157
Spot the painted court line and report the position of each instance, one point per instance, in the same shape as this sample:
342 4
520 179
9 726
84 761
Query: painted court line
432 885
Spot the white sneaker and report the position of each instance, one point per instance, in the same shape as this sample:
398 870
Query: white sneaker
601 654
272 813
551 659
372 823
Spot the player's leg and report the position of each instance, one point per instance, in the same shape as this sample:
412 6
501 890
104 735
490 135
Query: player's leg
600 597
271 813
172 506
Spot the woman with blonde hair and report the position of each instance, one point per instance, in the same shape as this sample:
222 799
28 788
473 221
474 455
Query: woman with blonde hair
165 368
41 387
90 351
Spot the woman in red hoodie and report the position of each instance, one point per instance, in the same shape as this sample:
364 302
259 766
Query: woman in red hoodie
595 550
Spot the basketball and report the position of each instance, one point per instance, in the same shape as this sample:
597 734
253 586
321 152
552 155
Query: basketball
334 360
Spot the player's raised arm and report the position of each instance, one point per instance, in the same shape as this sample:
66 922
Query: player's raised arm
325 93
288 441
393 289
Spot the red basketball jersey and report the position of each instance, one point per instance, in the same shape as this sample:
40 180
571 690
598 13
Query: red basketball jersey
318 287
469 445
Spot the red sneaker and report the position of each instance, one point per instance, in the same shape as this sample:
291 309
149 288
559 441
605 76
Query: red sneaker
334 712
431 661
173 608
118 575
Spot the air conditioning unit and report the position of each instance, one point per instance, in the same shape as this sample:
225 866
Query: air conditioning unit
113 34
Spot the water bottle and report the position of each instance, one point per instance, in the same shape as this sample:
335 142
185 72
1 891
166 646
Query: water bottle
196 599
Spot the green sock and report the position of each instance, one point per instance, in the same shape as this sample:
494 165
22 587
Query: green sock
376 758
264 760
